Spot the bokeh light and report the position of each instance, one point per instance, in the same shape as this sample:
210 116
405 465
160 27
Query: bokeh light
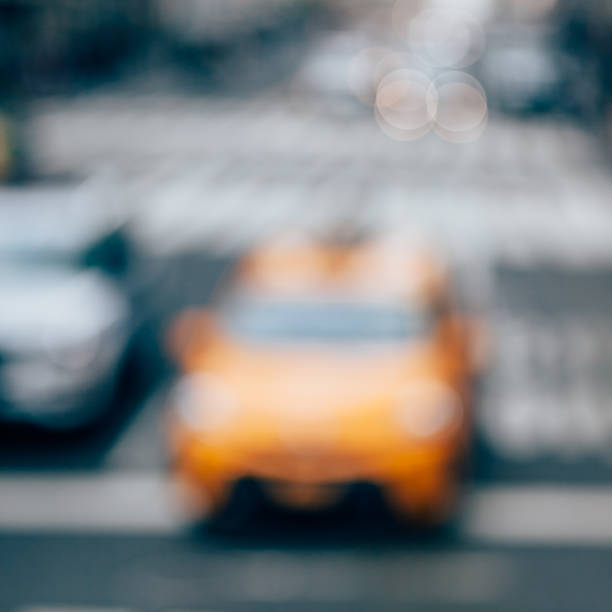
462 110
446 38
405 104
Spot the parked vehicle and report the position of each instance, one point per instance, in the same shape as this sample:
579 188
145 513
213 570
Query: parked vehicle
65 323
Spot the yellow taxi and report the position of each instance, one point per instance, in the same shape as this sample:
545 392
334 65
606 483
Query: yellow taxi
318 367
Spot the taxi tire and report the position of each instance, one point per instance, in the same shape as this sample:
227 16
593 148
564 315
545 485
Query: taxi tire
238 510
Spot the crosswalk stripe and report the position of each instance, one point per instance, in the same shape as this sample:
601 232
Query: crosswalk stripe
114 503
142 503
541 515
544 200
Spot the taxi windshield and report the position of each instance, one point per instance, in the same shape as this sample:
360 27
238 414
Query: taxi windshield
323 320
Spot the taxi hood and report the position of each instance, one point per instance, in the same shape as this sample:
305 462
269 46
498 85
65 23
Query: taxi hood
273 379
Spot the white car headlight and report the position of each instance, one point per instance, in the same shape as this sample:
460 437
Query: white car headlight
79 356
428 408
203 403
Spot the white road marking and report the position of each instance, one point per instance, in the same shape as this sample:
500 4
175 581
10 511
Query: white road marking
538 515
548 387
553 205
142 503
114 503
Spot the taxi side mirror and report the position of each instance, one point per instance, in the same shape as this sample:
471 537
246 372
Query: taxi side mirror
478 345
189 333
467 337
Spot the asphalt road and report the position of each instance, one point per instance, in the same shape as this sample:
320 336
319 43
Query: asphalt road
90 525
87 524
319 571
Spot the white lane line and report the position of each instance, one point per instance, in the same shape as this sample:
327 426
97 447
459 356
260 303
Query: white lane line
112 502
540 515
142 503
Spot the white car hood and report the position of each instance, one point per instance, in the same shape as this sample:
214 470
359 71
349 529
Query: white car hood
44 306
56 220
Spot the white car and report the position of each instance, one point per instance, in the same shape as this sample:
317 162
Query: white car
64 325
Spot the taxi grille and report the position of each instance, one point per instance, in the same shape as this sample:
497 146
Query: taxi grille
307 466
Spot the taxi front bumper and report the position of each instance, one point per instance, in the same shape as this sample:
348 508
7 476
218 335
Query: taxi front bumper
416 479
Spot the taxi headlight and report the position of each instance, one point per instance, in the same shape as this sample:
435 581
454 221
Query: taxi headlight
203 403
428 408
